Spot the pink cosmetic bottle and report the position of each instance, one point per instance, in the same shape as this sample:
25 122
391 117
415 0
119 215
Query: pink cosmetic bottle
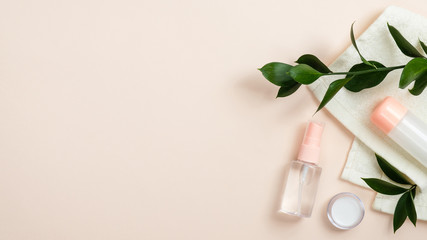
301 186
403 127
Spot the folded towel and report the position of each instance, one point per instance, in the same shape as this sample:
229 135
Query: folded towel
353 109
361 162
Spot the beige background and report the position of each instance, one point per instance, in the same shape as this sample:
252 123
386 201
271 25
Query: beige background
149 120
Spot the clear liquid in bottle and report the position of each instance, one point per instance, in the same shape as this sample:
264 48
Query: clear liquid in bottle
301 188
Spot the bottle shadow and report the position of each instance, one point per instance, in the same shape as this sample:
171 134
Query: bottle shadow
254 86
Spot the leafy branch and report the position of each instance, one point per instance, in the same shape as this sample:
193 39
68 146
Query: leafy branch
405 207
366 74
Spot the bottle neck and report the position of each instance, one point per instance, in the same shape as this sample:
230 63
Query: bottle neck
308 163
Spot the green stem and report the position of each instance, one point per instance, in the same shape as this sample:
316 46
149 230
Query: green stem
366 71
412 191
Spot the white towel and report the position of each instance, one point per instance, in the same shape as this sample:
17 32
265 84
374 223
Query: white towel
353 109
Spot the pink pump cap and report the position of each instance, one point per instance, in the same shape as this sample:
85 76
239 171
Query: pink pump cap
310 147
388 114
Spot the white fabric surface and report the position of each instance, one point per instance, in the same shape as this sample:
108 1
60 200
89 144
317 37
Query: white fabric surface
353 109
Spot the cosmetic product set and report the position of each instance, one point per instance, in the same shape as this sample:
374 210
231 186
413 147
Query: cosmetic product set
345 210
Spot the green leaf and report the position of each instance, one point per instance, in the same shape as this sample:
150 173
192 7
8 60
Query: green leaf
353 41
423 46
304 74
333 89
368 80
313 62
412 71
276 73
384 187
400 212
410 209
391 171
420 85
288 89
402 43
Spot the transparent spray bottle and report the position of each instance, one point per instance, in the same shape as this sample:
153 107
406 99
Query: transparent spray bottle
301 185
